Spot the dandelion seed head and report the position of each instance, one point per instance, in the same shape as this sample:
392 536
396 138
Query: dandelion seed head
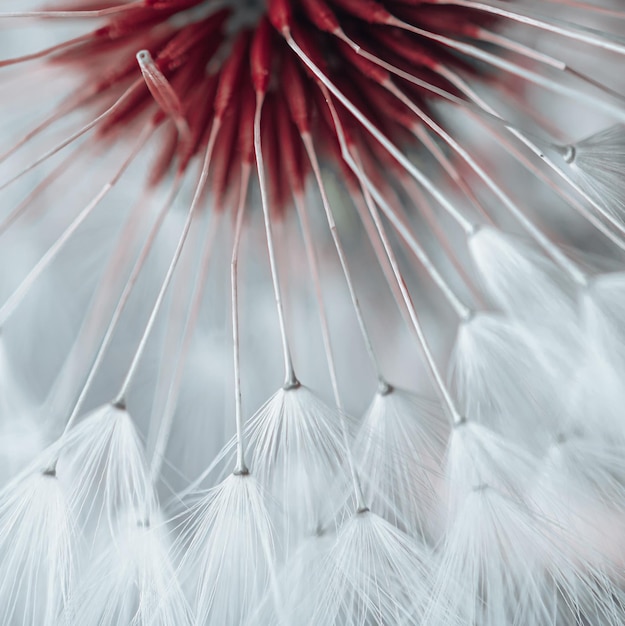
343 201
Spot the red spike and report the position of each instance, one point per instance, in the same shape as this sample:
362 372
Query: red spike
280 14
246 124
271 153
291 145
367 10
296 94
200 111
208 32
321 15
261 54
225 161
231 73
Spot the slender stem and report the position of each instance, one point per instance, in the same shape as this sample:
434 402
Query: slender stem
546 59
444 393
120 398
50 178
313 265
121 305
241 466
312 155
94 13
441 158
290 380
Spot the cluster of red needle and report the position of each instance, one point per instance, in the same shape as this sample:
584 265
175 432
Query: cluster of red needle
214 75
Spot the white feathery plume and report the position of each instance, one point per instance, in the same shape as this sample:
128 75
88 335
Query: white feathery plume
487 568
228 551
297 449
581 487
103 461
397 453
367 574
501 378
484 569
546 371
294 581
526 285
133 580
376 575
594 466
36 550
523 282
477 456
598 163
503 561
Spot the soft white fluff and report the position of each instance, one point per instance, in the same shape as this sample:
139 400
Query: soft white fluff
103 463
502 379
132 581
228 552
598 164
36 551
368 574
298 454
397 451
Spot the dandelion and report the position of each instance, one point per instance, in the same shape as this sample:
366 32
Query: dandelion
311 313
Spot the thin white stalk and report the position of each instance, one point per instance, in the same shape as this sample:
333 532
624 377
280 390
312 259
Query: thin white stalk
241 466
359 202
455 417
290 380
460 308
573 202
432 147
77 14
123 300
42 54
312 155
432 218
62 396
313 265
585 6
120 398
50 178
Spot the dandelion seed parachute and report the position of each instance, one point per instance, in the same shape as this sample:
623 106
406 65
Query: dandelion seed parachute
383 180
